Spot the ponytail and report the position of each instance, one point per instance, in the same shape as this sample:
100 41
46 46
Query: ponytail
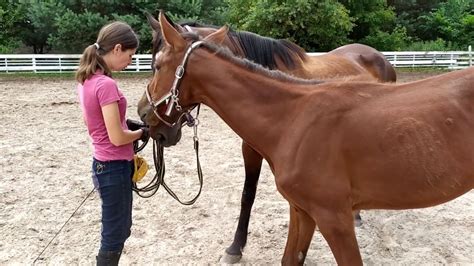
90 62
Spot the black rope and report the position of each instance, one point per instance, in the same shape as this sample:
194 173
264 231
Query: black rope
137 148
59 231
158 180
190 202
152 187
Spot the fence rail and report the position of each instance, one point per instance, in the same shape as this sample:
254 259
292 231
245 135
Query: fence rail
38 63
41 63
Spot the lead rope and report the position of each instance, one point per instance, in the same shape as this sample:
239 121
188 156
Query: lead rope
60 229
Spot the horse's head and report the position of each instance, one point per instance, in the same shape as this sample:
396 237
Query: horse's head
157 42
168 100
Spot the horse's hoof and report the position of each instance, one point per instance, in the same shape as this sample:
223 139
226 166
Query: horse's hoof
230 259
358 222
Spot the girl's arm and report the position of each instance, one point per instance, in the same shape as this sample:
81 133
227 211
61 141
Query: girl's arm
117 135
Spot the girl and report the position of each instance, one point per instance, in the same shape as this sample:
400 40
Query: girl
104 106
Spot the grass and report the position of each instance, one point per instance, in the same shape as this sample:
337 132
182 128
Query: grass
422 70
65 75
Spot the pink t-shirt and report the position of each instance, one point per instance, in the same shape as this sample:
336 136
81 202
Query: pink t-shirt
97 91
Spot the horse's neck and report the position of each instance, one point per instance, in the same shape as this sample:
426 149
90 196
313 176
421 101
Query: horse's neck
256 107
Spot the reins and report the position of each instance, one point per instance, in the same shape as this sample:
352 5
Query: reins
159 179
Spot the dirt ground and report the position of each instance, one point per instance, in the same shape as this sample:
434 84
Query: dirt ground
45 162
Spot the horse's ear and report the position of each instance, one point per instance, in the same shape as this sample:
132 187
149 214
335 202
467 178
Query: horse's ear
155 24
170 35
219 36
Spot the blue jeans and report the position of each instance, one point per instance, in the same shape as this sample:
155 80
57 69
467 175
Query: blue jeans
113 179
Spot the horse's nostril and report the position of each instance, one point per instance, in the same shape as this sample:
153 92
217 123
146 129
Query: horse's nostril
160 138
143 117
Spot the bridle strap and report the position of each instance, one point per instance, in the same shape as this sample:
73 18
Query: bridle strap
174 100
173 94
188 28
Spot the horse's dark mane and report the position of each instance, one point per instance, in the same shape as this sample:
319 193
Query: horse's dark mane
262 50
225 53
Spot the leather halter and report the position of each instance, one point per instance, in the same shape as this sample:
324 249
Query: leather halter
172 97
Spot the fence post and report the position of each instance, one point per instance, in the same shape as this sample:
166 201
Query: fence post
33 63
470 55
60 67
137 62
6 64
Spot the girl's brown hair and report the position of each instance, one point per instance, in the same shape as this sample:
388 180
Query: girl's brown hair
110 35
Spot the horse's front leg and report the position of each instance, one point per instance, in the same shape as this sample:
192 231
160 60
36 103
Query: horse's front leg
337 227
357 218
253 166
300 233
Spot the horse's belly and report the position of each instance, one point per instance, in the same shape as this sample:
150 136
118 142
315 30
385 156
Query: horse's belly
412 165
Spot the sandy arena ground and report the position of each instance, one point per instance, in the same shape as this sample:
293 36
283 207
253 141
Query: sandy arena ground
45 161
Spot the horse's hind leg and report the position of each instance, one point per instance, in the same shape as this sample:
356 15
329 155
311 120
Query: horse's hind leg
337 228
300 233
253 165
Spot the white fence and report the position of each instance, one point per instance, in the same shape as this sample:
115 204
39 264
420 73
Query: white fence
36 63
40 63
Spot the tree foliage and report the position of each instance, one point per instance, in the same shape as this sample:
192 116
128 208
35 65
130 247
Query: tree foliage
451 21
316 25
10 16
38 23
76 31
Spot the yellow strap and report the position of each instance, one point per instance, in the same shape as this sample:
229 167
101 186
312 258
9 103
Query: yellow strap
140 167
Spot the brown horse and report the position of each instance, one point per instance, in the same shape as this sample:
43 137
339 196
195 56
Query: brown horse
354 61
333 147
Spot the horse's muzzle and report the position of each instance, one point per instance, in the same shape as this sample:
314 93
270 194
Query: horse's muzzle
165 135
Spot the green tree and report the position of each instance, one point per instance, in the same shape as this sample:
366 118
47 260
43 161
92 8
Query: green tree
395 40
76 31
10 16
39 23
369 16
375 24
410 14
204 11
451 21
466 34
316 25
141 28
106 8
